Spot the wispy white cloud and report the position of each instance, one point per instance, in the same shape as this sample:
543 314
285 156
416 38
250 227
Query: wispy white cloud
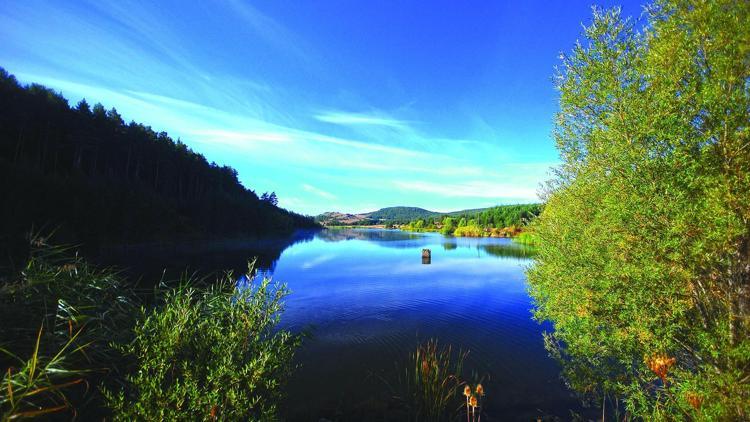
242 138
254 92
357 119
383 127
471 189
258 131
339 161
366 145
317 191
270 30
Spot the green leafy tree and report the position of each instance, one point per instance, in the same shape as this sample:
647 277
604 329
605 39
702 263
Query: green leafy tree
643 263
449 225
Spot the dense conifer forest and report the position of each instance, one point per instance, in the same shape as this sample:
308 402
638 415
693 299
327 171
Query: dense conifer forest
86 174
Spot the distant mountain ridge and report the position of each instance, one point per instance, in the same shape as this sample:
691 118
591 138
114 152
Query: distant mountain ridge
388 215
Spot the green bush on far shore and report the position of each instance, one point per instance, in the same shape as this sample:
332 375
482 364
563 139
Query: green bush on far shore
468 231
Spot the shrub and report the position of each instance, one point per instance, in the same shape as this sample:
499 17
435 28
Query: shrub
449 226
209 354
68 328
468 231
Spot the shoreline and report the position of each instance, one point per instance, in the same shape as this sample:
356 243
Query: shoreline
515 238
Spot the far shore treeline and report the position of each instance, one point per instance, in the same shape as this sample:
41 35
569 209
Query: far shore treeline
499 221
85 173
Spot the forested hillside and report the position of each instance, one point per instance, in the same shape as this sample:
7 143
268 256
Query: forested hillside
86 173
400 215
501 215
501 221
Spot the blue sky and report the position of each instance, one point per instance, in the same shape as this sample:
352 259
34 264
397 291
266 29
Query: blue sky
334 105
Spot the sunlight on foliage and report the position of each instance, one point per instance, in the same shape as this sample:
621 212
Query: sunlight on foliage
643 261
209 354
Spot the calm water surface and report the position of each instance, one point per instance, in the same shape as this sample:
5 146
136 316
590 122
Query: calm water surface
368 301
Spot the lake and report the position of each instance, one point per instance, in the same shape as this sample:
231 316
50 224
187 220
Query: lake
367 300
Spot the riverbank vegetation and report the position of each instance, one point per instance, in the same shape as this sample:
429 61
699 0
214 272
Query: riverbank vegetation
528 238
499 221
80 342
643 256
432 386
432 382
95 178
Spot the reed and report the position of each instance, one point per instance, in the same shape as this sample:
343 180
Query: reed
39 385
59 316
528 238
432 381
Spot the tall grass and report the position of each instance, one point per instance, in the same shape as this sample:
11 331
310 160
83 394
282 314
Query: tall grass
59 317
432 382
39 384
528 238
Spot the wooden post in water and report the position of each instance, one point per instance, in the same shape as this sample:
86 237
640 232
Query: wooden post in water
426 256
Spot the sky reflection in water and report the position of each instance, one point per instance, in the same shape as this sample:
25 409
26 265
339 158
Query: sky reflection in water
368 300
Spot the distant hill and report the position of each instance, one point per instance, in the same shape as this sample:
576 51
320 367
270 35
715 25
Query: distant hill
390 215
401 214
342 219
